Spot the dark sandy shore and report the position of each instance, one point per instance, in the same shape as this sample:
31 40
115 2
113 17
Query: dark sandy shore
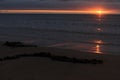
39 68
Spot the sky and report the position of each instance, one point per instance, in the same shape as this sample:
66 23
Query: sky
59 4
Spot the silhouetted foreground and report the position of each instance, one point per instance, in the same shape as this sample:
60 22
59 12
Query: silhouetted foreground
17 44
54 58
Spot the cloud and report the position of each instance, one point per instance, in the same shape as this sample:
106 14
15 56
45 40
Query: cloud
2 0
58 4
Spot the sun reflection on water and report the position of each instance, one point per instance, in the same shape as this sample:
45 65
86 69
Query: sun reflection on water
98 46
98 49
98 41
99 29
99 19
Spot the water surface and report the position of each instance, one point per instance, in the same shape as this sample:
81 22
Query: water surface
88 33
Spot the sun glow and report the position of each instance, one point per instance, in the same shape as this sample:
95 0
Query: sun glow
99 11
86 11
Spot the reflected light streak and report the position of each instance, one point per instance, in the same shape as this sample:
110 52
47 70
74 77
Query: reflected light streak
97 49
99 29
98 46
99 19
98 41
100 15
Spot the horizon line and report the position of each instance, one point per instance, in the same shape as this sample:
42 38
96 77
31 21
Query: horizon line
26 11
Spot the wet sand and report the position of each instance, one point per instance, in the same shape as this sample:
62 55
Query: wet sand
33 68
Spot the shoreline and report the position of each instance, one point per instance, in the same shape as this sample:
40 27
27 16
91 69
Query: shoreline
47 48
26 68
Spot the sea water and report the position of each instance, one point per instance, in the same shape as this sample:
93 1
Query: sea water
83 32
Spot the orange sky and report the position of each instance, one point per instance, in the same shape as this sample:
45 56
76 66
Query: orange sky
88 11
60 6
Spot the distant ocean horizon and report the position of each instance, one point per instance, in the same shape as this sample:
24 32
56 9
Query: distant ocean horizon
84 32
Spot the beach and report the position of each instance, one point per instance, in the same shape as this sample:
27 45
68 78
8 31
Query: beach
59 40
41 68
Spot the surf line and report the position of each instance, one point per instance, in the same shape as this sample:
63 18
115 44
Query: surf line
53 58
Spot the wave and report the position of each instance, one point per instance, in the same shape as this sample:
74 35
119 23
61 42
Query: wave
57 30
75 32
34 31
83 42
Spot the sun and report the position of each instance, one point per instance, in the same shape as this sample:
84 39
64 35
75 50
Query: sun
99 12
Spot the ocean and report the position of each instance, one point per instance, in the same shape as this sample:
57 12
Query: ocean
87 33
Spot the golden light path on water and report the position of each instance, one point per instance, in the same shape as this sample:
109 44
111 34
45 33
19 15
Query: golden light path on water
97 49
98 46
99 42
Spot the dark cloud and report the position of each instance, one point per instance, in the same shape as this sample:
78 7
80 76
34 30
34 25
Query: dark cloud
2 0
58 4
